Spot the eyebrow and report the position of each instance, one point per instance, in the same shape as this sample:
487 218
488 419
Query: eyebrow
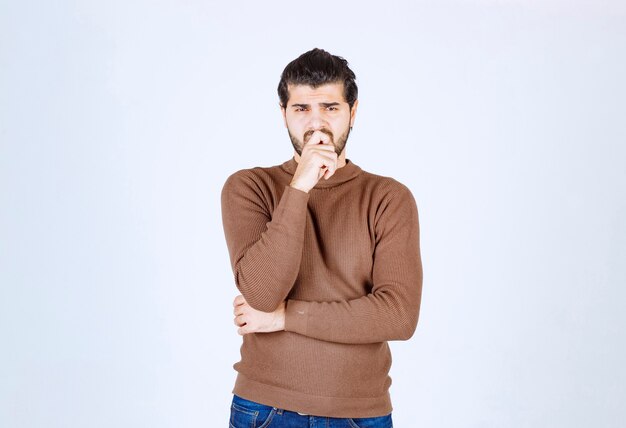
333 104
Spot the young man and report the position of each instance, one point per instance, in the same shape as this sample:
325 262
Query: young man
327 259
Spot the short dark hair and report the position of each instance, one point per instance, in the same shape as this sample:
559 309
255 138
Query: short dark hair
315 68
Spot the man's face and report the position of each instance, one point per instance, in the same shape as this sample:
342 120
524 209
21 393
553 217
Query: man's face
323 108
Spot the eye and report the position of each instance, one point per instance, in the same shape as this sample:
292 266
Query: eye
332 108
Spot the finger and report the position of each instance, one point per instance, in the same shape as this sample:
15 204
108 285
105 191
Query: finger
321 173
324 158
239 321
325 171
322 148
318 138
239 300
243 330
328 164
330 169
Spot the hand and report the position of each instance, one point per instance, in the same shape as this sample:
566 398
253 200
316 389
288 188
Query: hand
318 160
249 320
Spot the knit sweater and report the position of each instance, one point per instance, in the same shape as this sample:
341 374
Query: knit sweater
346 259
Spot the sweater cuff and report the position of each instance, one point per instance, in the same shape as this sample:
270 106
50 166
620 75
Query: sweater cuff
296 194
296 316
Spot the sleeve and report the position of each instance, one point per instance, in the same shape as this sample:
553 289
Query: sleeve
391 310
265 247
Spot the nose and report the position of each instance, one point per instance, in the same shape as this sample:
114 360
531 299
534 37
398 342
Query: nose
316 120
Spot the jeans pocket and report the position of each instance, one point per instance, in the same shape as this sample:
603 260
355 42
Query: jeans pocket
248 414
375 422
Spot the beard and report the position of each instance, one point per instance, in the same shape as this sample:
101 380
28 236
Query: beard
339 145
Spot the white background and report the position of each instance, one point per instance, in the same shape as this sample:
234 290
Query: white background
120 121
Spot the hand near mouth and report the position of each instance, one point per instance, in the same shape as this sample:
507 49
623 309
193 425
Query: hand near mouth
318 159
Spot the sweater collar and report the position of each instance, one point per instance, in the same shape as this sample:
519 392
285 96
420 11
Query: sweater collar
341 175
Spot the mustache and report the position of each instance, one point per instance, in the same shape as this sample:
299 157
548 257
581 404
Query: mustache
307 134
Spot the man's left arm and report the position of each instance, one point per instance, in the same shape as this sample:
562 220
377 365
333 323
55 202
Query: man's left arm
389 312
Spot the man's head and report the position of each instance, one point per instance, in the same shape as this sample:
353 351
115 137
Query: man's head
318 92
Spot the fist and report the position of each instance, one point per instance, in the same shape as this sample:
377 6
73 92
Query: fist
318 160
250 320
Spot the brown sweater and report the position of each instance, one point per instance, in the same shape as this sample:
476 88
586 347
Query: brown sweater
346 258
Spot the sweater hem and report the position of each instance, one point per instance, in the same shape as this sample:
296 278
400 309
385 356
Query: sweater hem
295 401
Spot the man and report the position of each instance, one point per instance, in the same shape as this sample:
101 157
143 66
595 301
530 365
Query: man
327 259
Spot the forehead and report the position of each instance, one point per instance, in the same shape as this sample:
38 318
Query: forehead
305 94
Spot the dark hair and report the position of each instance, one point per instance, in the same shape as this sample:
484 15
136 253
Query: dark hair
315 68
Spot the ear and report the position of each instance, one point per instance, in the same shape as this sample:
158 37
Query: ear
284 113
353 112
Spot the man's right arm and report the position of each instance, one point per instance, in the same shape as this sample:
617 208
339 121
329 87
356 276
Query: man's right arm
265 247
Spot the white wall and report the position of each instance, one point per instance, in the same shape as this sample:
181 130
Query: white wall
120 121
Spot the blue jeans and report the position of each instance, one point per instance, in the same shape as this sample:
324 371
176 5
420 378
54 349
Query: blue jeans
248 414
